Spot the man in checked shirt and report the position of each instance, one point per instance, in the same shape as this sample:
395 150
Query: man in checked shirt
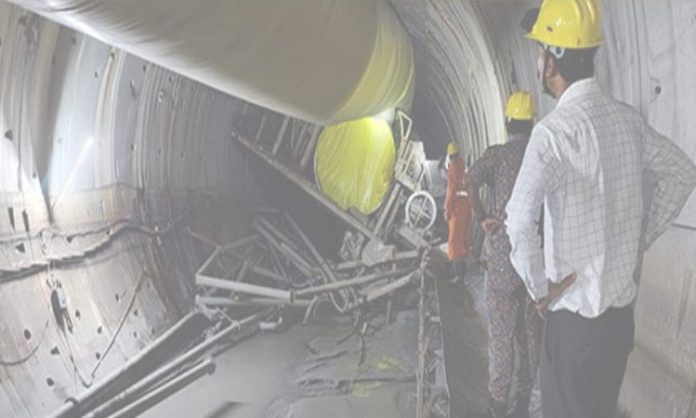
585 163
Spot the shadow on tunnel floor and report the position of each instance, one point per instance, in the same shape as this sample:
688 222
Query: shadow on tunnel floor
463 313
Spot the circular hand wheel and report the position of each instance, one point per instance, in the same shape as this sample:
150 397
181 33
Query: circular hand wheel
421 211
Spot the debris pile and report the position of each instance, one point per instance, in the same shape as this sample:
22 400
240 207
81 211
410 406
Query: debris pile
278 265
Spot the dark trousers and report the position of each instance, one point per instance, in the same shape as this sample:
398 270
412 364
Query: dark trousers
459 267
583 363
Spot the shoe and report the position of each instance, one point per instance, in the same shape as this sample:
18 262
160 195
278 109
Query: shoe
521 407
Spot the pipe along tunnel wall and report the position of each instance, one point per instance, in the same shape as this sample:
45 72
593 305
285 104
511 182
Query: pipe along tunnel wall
119 142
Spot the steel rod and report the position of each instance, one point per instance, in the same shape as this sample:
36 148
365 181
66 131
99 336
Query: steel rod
269 274
297 260
222 301
402 256
396 189
311 291
88 396
280 136
242 271
328 274
251 289
210 259
166 370
298 143
239 243
261 125
387 289
317 256
151 399
261 271
285 245
277 262
310 147
269 227
379 292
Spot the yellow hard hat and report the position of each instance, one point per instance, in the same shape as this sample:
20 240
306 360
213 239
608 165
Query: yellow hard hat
520 106
572 24
452 148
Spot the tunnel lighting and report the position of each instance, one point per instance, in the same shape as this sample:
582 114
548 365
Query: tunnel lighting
83 153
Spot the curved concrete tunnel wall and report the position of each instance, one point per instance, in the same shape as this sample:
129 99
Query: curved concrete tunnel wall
132 145
161 148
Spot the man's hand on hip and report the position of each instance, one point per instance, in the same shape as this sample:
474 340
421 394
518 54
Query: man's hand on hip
556 290
491 225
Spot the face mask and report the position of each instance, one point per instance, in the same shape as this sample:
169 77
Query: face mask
541 73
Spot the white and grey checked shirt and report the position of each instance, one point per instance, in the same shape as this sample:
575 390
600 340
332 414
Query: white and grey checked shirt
586 163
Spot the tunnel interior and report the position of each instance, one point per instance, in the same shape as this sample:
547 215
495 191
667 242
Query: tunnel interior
109 161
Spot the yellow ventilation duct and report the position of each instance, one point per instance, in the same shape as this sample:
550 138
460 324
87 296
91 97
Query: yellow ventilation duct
354 163
324 61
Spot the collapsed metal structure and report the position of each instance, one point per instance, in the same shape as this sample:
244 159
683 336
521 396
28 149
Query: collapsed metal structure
382 253
369 241
248 285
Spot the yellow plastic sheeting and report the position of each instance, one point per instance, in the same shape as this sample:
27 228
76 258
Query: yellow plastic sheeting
388 80
325 61
354 163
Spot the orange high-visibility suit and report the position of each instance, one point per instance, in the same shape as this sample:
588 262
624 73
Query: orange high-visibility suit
457 210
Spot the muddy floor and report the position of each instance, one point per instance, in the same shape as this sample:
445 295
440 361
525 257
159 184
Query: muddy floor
319 370
325 369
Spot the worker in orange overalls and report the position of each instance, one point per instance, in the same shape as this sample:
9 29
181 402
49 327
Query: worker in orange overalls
457 212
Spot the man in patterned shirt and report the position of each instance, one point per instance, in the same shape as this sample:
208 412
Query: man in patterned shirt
585 163
513 325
